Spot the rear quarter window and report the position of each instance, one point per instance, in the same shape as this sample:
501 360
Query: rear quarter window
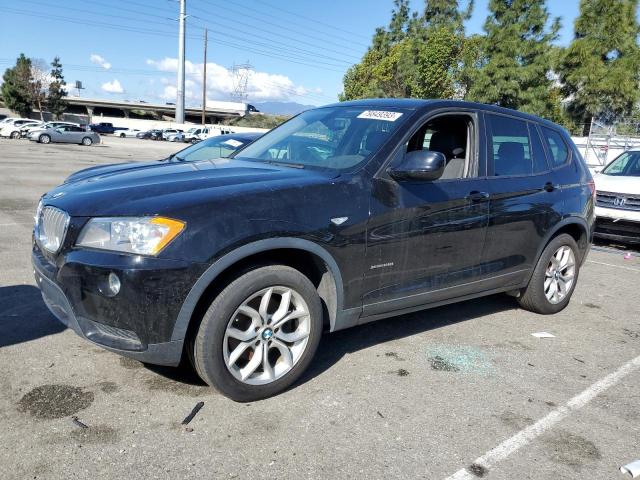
556 147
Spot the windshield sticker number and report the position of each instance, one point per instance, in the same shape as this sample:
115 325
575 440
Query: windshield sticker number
380 115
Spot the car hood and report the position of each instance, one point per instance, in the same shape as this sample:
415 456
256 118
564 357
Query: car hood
617 184
153 188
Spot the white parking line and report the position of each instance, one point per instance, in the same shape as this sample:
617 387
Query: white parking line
523 437
615 266
15 224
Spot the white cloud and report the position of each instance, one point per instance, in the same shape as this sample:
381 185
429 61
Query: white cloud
101 61
113 87
220 83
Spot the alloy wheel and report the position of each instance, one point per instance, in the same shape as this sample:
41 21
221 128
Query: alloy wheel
560 275
267 335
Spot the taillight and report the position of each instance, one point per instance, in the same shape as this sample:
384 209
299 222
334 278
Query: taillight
592 187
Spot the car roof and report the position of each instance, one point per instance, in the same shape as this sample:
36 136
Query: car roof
420 104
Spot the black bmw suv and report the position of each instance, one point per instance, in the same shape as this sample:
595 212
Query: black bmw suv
344 214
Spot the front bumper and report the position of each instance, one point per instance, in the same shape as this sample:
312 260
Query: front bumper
618 225
139 321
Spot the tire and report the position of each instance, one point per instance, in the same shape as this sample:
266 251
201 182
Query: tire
14 135
44 139
122 135
86 141
554 273
213 347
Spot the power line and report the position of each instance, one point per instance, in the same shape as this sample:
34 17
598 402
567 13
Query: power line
289 58
304 17
287 28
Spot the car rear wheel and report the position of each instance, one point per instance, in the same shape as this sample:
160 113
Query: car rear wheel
554 278
122 135
259 334
44 139
14 135
86 141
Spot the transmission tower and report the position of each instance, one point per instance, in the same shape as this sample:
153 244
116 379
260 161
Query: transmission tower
240 81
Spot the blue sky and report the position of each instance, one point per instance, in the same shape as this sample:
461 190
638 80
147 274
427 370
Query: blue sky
127 49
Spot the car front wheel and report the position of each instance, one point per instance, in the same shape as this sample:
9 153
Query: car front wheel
554 278
259 334
44 139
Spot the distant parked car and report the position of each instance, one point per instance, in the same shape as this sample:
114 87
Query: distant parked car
65 134
169 131
102 127
196 134
129 132
7 127
153 134
618 199
12 130
29 130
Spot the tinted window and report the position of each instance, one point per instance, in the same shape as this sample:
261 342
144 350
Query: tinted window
509 146
539 159
558 150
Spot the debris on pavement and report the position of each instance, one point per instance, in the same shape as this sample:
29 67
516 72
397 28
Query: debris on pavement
628 256
543 335
78 423
459 358
632 469
193 413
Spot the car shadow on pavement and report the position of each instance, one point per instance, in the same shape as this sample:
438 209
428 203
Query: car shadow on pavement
24 316
336 345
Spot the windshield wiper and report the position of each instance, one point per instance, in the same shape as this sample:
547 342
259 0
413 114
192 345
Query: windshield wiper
285 164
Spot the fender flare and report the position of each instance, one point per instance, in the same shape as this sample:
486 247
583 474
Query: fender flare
573 220
227 260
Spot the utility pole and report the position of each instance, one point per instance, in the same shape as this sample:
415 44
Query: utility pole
181 35
204 81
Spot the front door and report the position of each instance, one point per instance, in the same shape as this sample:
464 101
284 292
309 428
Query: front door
425 239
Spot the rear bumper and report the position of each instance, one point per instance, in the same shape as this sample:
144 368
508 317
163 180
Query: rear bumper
101 325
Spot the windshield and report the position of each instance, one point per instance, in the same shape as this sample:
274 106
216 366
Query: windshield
338 138
627 165
210 149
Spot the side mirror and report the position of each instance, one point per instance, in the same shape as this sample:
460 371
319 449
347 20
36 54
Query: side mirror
422 165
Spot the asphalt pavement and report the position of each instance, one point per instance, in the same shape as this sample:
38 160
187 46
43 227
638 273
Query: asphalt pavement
462 391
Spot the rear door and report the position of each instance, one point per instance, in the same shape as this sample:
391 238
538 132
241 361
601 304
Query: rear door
524 199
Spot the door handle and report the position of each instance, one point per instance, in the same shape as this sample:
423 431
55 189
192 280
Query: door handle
549 187
476 196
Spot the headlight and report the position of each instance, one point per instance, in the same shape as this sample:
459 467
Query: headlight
142 235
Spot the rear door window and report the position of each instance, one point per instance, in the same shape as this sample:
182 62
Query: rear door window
556 146
509 146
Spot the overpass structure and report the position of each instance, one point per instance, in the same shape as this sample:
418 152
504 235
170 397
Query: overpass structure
95 107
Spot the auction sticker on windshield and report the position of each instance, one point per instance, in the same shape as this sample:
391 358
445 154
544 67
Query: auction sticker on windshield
232 142
380 115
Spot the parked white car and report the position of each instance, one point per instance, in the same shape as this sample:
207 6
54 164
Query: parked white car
618 199
129 132
169 131
13 129
7 127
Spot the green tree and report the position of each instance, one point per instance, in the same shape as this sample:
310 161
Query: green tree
16 87
415 56
600 70
516 58
55 101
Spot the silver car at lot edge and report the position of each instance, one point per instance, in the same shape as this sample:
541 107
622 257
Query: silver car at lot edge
65 134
